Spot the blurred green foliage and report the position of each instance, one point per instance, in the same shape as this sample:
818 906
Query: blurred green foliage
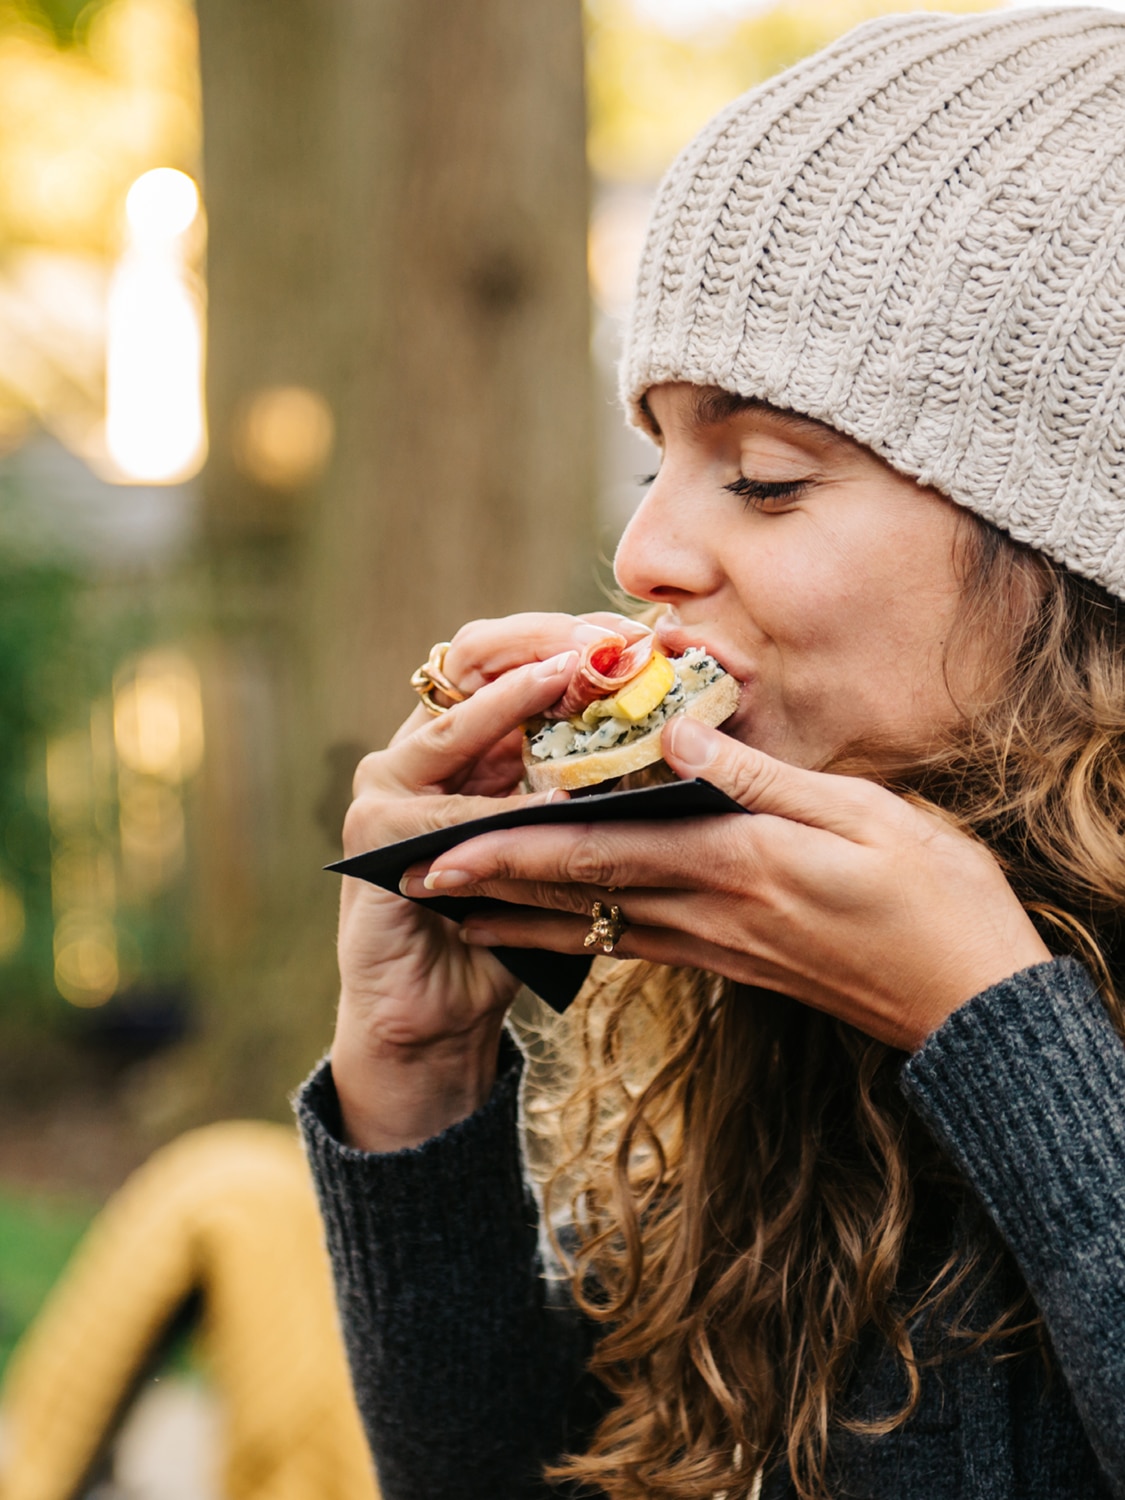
37 1237
44 670
65 630
65 21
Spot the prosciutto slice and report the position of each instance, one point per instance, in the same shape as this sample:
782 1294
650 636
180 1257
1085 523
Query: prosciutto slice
604 667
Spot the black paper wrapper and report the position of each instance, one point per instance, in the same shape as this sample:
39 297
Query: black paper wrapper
555 977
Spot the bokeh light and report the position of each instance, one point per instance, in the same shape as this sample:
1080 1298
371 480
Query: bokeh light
283 437
161 205
86 969
155 428
158 716
13 921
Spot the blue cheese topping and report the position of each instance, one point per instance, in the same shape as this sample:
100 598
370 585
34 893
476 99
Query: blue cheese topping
695 670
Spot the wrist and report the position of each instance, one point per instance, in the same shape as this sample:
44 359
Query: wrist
973 979
394 1096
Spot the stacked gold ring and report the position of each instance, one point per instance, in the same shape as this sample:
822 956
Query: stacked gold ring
431 676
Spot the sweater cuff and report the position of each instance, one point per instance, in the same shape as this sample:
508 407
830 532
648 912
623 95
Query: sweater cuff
1023 1087
402 1201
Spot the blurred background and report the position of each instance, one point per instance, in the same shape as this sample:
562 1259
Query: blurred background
309 311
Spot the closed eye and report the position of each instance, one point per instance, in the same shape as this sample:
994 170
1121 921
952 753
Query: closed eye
761 494
644 480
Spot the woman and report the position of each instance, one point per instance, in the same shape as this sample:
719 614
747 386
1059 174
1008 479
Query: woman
847 1171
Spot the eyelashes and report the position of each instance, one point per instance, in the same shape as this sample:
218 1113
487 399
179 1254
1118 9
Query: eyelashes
757 493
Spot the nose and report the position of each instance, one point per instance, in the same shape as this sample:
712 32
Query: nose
666 551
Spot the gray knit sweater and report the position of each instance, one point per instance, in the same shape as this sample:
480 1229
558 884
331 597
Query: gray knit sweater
468 1367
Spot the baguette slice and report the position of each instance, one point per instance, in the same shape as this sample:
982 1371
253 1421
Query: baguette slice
711 705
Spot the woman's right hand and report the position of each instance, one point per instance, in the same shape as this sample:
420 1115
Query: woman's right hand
420 1012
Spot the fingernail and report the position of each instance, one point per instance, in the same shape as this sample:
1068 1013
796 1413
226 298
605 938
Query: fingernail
446 880
695 746
586 634
479 937
555 666
541 799
410 885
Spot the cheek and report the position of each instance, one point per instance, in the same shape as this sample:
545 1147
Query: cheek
854 627
813 601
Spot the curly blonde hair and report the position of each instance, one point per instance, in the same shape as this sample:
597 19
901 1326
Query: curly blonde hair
743 1174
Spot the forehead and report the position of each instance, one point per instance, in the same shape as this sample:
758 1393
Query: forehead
709 406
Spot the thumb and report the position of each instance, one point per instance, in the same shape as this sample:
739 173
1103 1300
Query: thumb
839 804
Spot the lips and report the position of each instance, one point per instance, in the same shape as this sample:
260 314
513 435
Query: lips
674 640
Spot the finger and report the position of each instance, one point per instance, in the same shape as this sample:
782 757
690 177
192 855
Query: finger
419 716
483 650
614 624
845 805
685 854
374 820
651 907
557 933
448 744
494 774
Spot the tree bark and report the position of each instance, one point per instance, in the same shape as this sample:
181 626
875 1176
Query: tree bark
396 192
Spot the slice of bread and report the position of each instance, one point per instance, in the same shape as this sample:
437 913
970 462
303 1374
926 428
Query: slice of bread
712 705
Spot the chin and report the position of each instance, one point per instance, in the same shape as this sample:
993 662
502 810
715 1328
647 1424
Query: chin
779 743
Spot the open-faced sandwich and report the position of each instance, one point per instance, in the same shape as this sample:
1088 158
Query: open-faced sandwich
609 721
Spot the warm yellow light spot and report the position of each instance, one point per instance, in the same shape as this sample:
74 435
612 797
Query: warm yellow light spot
161 204
158 716
82 875
154 425
283 437
69 782
152 833
13 921
154 375
86 971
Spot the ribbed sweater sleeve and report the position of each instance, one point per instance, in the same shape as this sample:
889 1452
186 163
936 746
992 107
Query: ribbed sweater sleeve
1025 1088
463 1373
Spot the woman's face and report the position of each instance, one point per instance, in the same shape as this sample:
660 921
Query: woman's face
817 575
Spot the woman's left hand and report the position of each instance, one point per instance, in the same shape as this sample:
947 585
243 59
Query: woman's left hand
838 892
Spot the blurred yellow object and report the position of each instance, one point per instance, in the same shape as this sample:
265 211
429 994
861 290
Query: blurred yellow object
227 1211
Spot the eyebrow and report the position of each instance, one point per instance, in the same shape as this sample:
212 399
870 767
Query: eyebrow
712 406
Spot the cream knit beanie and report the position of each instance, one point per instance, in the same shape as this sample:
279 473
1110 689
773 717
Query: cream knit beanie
918 236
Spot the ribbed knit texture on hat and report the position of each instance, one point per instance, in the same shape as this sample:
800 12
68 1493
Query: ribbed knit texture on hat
918 236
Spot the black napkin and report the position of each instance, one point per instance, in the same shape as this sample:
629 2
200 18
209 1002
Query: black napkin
555 977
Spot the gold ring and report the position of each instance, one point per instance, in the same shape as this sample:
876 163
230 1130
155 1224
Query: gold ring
431 675
606 929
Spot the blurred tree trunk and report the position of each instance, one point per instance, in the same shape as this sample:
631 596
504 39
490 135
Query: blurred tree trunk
396 192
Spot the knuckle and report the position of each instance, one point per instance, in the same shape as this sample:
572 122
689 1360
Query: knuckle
373 819
586 864
462 654
868 797
557 898
468 630
361 821
445 729
444 732
751 778
367 772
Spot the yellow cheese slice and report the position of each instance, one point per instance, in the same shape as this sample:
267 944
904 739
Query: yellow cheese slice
637 699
